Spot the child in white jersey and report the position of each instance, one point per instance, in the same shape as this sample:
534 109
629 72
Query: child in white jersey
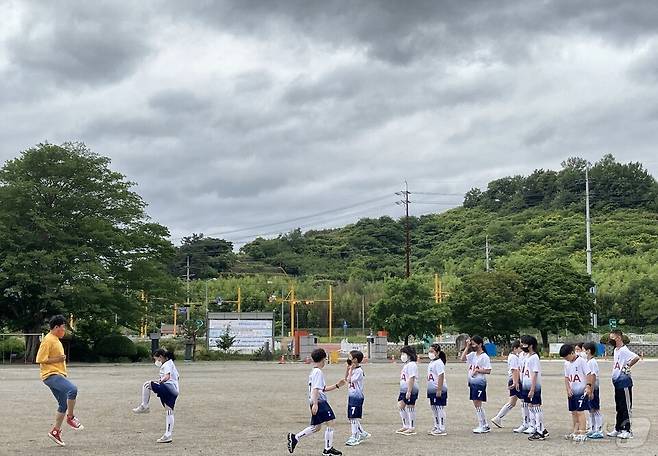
623 360
166 388
596 417
576 374
354 377
321 412
479 365
513 383
531 389
437 388
525 409
408 390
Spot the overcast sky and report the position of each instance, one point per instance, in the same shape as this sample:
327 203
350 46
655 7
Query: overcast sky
240 118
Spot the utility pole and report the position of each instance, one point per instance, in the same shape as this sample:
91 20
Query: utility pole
187 286
594 315
407 229
363 314
486 252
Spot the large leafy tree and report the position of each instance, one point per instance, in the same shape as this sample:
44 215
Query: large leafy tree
74 238
407 309
208 257
491 304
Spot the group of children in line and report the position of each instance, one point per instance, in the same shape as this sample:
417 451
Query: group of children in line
581 378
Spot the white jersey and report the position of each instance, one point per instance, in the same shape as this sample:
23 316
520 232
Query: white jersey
476 361
622 356
513 363
168 367
356 383
593 367
435 369
316 381
576 372
531 366
410 369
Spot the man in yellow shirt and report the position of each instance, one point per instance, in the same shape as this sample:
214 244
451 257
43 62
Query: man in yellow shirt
52 362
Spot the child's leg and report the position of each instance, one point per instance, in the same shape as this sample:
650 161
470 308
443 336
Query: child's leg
507 407
308 431
525 415
146 394
442 418
582 423
532 419
329 435
539 419
403 414
479 413
359 427
59 419
597 421
354 426
411 416
437 417
169 421
574 421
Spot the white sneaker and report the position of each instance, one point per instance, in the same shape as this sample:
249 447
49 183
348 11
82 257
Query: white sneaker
520 429
431 431
497 421
352 441
438 432
141 409
164 439
530 430
613 433
625 435
481 430
579 438
364 435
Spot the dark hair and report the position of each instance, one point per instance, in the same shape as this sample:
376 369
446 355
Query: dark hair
590 347
166 354
479 341
409 351
516 344
566 350
318 355
57 320
617 332
357 354
442 355
530 341
580 345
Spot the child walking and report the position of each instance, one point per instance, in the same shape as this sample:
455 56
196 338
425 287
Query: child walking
576 374
479 365
437 388
408 390
531 389
52 367
513 385
166 388
354 378
596 417
321 412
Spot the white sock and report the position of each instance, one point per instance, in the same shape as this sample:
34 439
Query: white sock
539 419
442 418
308 431
359 427
411 417
525 415
482 417
169 429
146 394
403 415
355 428
437 419
597 421
531 417
505 410
328 438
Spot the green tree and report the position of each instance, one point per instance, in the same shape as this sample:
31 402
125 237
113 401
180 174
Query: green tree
491 304
75 239
407 309
208 257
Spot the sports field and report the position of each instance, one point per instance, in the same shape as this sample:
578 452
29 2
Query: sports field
240 408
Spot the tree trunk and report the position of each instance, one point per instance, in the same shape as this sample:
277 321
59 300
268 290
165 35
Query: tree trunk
31 348
544 340
406 340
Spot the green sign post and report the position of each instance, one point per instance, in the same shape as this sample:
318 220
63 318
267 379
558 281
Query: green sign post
613 323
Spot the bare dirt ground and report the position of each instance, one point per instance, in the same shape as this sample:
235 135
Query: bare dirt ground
243 408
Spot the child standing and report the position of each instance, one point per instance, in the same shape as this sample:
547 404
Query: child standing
531 389
321 412
408 390
596 417
576 373
513 378
166 388
623 360
437 388
525 409
52 367
354 378
479 365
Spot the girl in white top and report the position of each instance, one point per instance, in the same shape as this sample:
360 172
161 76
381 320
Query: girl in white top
408 390
166 388
437 388
513 383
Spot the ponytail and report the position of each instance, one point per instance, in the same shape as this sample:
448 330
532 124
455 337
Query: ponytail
166 354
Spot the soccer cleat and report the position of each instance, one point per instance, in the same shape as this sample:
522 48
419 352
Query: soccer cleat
625 435
141 409
497 421
545 433
74 423
531 430
520 429
537 436
613 433
481 430
292 442
56 436
332 451
352 441
364 435
595 435
401 431
164 439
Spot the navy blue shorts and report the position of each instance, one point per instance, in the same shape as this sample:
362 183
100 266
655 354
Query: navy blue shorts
355 408
441 401
478 393
324 414
536 398
513 392
166 393
595 402
403 397
578 403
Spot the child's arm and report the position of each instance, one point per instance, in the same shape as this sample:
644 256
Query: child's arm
410 386
340 383
515 379
533 384
165 378
439 385
568 387
480 370
315 394
348 373
466 347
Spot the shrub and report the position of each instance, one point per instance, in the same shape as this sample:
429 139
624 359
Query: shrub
15 345
142 352
115 346
79 349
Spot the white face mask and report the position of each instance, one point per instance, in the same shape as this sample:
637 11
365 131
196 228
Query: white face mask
158 363
404 357
431 355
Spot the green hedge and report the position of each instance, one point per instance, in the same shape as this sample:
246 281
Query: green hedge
9 345
114 347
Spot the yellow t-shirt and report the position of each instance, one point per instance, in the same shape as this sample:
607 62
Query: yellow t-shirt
51 347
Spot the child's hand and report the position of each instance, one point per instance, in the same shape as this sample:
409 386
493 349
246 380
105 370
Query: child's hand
342 382
569 392
408 395
531 393
314 409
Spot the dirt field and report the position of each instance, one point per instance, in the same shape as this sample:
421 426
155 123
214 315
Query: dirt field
243 408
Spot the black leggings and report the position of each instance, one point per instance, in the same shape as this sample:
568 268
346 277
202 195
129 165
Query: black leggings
624 406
